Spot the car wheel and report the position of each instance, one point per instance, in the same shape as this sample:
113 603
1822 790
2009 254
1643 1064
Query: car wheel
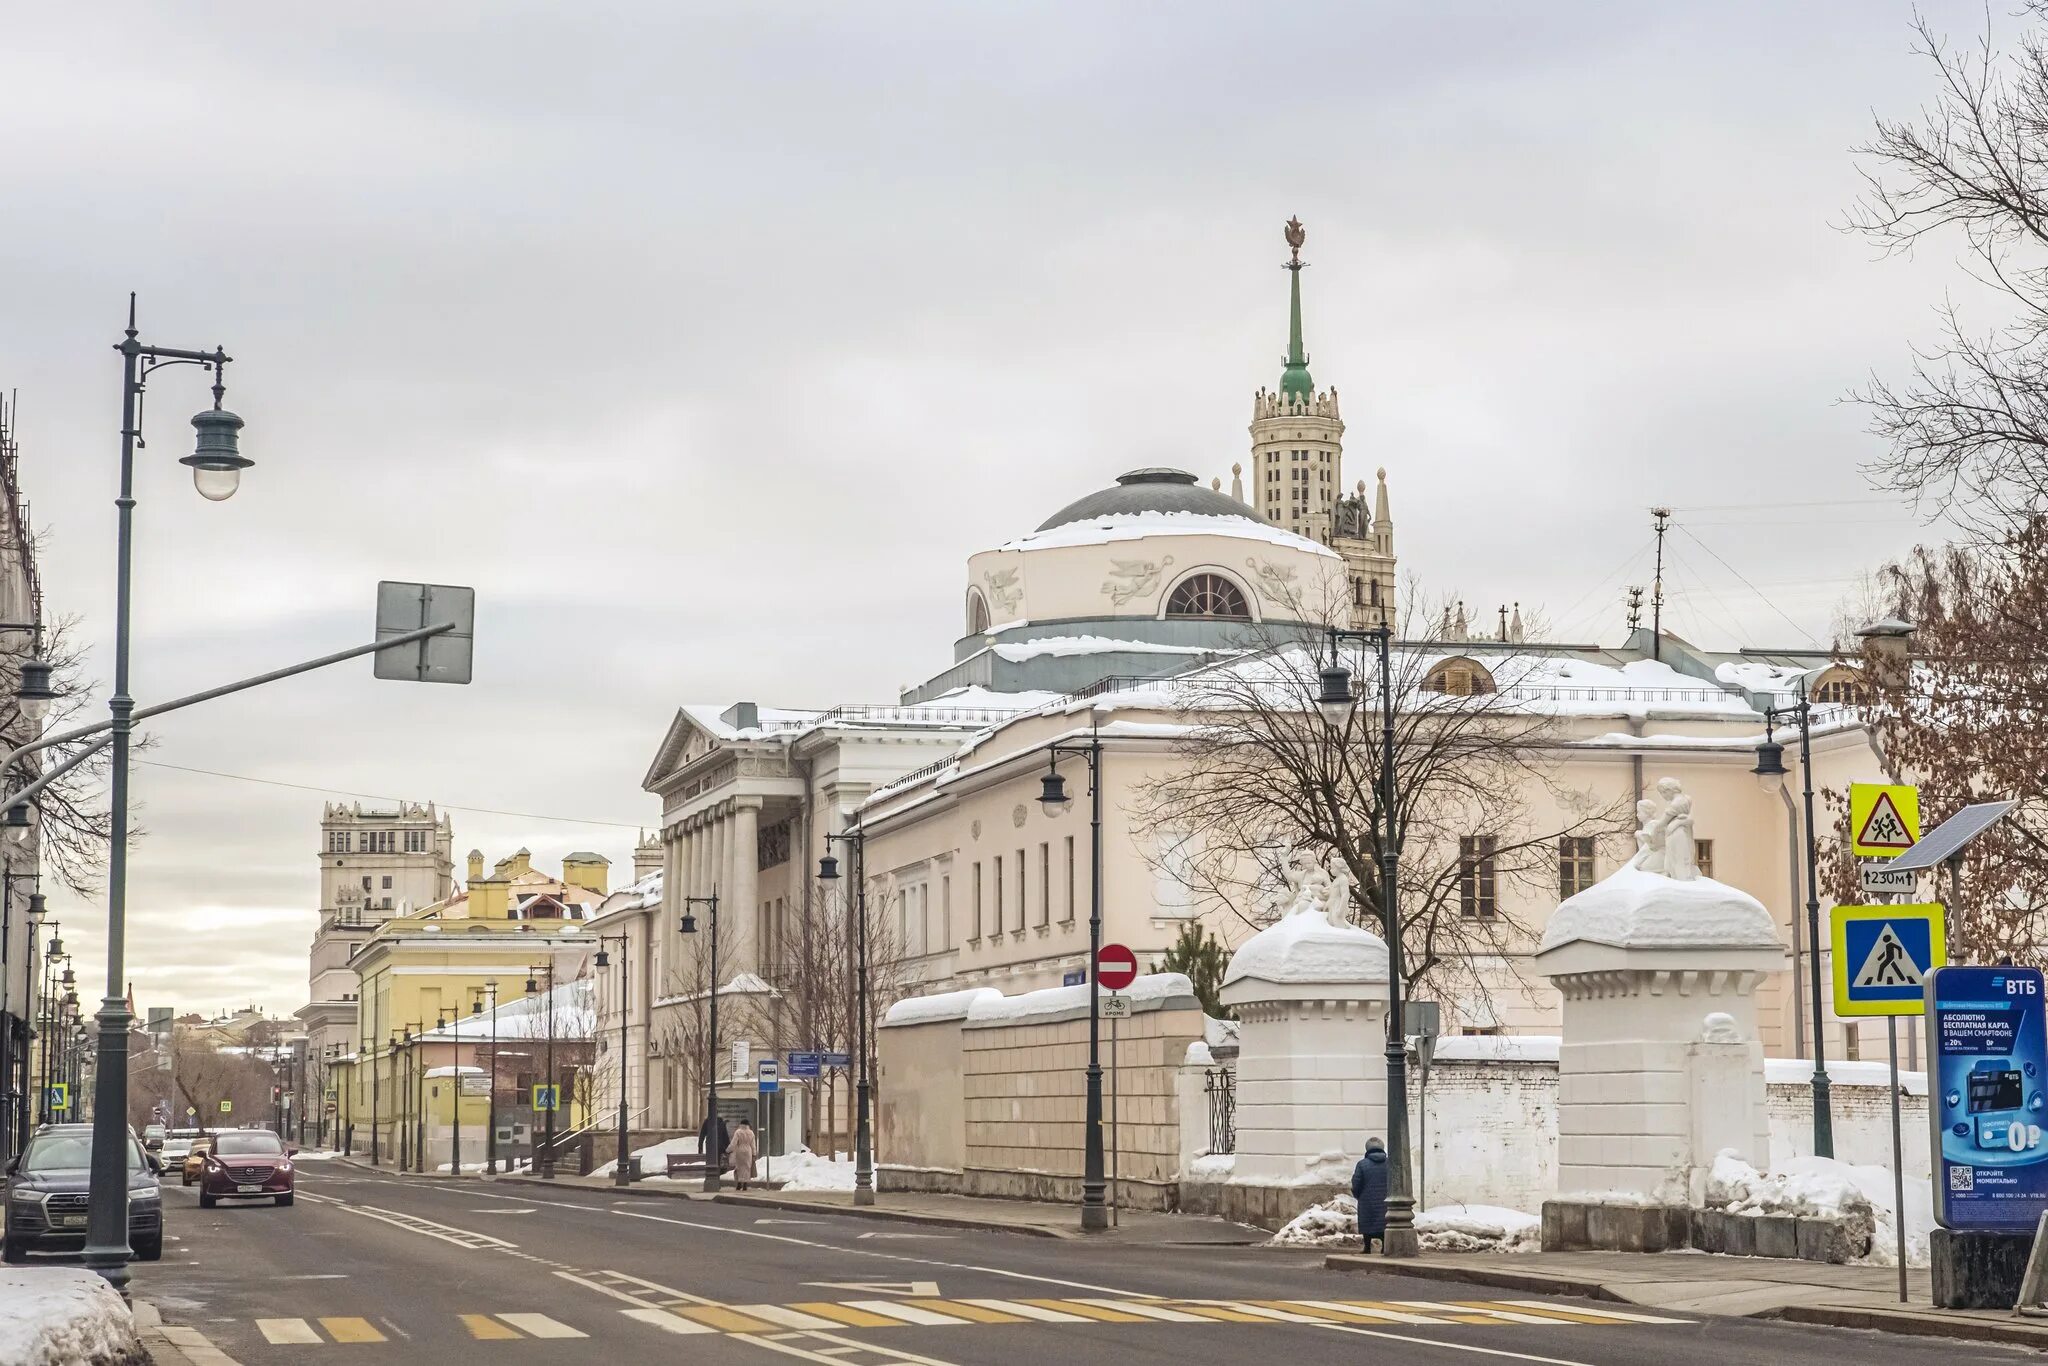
11 1254
205 1200
285 1199
185 1180
150 1250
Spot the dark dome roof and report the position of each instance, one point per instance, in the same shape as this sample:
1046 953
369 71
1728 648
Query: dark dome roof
1150 490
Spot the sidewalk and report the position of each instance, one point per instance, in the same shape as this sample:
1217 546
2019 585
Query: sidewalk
1703 1283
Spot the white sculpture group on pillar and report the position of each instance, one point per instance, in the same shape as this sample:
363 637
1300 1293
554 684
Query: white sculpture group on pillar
1664 842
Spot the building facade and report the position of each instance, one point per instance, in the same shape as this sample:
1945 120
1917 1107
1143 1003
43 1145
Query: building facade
21 604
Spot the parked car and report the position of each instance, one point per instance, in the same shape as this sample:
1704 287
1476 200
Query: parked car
247 1164
195 1157
47 1201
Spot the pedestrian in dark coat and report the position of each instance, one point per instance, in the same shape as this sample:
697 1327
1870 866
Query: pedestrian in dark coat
714 1141
1369 1189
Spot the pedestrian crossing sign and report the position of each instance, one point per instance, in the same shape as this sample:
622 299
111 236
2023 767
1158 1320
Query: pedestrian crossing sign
1884 819
1882 955
545 1097
60 1096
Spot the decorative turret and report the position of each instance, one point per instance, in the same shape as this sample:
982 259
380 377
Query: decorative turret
1295 384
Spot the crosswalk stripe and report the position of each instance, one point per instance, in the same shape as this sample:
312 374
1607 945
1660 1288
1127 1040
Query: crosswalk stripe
1438 1311
662 1319
1361 1312
1145 1310
287 1332
852 1318
1216 1309
1087 1311
484 1328
1268 1309
1603 1311
1023 1309
979 1313
1508 1315
908 1313
351 1330
725 1320
783 1315
541 1326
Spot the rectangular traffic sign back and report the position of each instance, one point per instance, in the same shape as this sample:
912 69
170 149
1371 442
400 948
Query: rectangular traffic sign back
1882 955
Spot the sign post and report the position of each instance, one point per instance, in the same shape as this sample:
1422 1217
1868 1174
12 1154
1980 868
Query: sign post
1883 956
1116 967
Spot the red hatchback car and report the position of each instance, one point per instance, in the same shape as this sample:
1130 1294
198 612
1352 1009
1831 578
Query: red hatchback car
246 1164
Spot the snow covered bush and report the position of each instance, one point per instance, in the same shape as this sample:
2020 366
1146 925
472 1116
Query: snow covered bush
1447 1228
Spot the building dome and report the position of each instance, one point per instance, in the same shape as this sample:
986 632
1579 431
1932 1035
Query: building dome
1151 490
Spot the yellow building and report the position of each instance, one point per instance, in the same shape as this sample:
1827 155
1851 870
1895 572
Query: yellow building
437 965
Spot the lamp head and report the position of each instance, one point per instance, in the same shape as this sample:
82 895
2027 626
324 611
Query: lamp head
1052 795
1334 698
217 461
604 960
1770 765
35 693
828 869
532 986
38 907
17 823
687 925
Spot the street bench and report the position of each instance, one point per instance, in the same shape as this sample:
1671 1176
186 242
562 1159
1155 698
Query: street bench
689 1164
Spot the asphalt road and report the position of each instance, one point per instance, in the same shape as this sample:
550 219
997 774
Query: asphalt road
373 1269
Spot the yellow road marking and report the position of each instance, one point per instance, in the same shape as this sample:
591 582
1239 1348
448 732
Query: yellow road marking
351 1330
977 1312
1562 1315
907 1313
484 1328
1087 1311
541 1326
1026 1311
287 1331
1337 1313
723 1319
1221 1314
1145 1309
851 1317
786 1317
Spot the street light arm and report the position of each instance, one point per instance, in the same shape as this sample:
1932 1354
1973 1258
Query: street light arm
22 797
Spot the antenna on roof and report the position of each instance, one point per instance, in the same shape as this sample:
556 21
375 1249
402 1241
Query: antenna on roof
1635 608
1662 523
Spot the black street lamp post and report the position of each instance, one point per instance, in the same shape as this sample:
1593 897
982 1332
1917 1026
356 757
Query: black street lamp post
47 1026
491 1104
1336 702
621 1176
1770 769
1054 799
714 1161
863 1131
37 910
547 1151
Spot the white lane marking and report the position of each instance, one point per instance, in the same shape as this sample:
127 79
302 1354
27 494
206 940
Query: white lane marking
1030 1311
789 1221
887 1256
1358 1311
1448 1345
1602 1310
1505 1315
541 1326
1146 1311
916 1290
1261 1311
283 1332
784 1316
318 1276
662 1319
939 1237
909 1313
501 1211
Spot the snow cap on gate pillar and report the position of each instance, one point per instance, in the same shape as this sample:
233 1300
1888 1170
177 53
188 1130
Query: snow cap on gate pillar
1313 950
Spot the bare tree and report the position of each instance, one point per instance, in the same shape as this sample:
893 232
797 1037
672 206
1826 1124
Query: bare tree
75 820
1968 429
1262 774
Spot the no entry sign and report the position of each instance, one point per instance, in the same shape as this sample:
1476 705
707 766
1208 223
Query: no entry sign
1116 967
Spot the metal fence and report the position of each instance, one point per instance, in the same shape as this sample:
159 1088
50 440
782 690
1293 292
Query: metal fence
1219 1084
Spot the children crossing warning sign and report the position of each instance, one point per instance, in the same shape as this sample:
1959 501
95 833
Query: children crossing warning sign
1884 820
1882 955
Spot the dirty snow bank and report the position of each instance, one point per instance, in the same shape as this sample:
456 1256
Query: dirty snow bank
1446 1228
64 1316
804 1170
1824 1187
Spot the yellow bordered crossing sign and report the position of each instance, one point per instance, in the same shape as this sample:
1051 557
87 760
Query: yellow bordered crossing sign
60 1095
546 1097
1882 955
1884 819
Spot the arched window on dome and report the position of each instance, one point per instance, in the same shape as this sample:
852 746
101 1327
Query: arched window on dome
1460 678
1208 595
1841 687
977 613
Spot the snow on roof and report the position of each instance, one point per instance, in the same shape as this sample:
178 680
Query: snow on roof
1132 526
708 716
1497 1048
1633 909
526 1017
1153 989
946 1005
1065 646
1305 947
465 1070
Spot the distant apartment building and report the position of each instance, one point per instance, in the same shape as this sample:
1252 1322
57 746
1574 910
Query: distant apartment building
375 863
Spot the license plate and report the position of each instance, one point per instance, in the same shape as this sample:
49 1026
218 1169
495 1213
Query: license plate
250 1189
71 1221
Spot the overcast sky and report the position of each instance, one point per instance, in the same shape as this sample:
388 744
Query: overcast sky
707 342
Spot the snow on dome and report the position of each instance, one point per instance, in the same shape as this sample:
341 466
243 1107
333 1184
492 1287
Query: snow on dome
1635 909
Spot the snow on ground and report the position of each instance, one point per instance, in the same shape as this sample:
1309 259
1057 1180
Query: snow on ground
651 1157
314 1155
1861 1195
1444 1228
804 1170
1213 1166
64 1316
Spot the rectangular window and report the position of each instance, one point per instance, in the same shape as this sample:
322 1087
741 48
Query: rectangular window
1045 883
1023 901
1703 855
387 882
1480 1031
366 882
1476 877
977 903
946 912
1574 865
1069 917
995 926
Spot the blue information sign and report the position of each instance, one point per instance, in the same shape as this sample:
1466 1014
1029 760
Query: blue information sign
1074 977
768 1076
1988 1044
838 1059
803 1064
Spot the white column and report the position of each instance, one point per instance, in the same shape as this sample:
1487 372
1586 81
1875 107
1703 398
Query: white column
746 877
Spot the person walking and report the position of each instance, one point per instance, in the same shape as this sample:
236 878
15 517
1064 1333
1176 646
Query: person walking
746 1147
1369 1189
714 1141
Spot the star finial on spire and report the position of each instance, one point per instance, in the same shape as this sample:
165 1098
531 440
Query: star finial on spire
1296 236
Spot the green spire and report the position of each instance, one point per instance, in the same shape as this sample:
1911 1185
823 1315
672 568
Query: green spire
1295 384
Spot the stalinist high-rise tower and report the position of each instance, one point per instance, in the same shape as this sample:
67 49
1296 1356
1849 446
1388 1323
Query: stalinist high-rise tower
1297 469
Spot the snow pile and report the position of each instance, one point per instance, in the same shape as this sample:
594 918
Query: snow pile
1637 910
991 1007
1446 1228
1304 947
1212 1167
804 1170
64 1316
652 1157
1330 1168
1478 1228
1821 1187
1841 1072
314 1155
946 1005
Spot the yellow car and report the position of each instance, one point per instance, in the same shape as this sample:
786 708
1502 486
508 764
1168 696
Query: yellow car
195 1161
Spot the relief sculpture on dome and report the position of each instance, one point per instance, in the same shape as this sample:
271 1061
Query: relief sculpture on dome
1277 579
1138 578
1003 589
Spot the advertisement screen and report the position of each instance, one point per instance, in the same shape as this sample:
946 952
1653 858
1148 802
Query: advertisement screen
1988 1043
